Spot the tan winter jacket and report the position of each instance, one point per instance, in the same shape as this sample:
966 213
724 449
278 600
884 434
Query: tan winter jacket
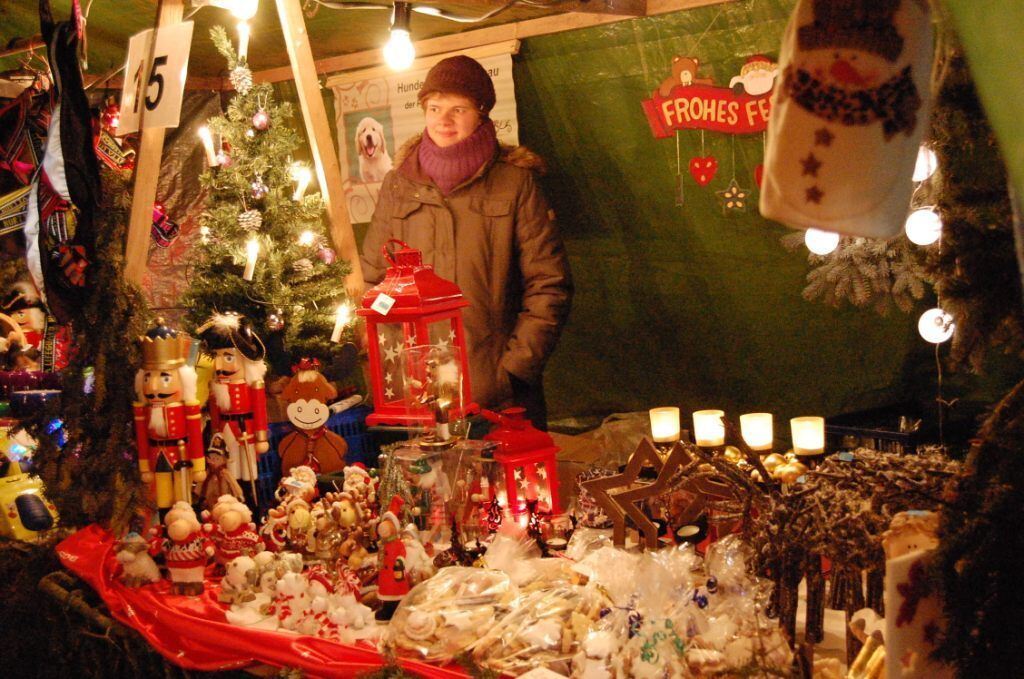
495 236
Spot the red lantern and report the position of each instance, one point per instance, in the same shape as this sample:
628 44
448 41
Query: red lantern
419 372
527 456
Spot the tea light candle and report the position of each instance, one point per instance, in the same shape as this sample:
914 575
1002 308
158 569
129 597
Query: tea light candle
757 430
708 428
808 435
252 252
207 139
341 319
243 40
665 424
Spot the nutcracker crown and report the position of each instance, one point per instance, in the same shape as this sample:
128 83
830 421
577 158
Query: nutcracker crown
163 347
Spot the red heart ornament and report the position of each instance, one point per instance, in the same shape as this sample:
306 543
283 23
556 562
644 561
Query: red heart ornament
759 174
703 169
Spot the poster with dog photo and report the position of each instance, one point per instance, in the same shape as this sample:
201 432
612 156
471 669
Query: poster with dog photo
376 115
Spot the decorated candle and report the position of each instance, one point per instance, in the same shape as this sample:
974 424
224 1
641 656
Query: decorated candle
808 435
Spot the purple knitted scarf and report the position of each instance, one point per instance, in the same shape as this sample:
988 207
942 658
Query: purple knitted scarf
452 165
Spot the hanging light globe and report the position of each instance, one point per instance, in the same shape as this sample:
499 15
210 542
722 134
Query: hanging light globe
936 326
821 242
923 226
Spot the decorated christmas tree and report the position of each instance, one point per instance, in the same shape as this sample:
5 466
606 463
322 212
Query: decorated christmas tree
263 250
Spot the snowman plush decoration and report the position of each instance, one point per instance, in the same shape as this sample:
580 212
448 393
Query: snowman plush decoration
848 117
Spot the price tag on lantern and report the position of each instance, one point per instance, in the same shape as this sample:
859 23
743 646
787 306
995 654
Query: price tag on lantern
154 78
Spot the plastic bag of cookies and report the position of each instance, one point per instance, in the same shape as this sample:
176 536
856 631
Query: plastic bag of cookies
443 616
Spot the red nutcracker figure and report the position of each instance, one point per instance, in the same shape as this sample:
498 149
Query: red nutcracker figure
45 345
186 550
238 400
168 425
392 581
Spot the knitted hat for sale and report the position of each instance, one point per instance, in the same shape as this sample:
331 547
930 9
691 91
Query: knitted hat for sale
460 75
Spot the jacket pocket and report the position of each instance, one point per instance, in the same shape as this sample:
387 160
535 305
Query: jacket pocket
492 209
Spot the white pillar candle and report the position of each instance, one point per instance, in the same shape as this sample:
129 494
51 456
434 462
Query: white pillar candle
757 430
341 319
207 138
708 428
243 40
303 177
252 252
665 424
808 435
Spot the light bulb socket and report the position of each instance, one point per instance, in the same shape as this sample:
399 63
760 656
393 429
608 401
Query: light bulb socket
400 16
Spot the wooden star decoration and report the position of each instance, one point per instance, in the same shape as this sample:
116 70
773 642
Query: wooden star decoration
733 198
683 470
604 489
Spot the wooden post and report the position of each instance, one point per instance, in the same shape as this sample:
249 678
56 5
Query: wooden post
325 157
147 170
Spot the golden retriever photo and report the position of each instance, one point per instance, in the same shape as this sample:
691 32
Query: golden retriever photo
374 161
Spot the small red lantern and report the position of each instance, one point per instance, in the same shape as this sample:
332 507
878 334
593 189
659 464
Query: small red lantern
419 372
527 456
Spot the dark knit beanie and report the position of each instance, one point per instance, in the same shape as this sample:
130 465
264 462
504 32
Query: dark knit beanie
460 75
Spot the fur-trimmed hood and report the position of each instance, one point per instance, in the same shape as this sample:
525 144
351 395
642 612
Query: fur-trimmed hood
520 156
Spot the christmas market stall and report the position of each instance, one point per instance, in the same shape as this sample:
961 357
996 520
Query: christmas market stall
545 338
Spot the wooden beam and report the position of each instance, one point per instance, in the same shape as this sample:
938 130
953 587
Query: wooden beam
455 42
22 45
423 63
625 8
147 170
325 158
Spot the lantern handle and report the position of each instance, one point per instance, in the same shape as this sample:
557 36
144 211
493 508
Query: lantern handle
386 251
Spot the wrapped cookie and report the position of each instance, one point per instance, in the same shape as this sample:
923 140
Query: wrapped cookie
445 615
545 627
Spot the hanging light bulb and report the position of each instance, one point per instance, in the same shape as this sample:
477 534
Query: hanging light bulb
399 51
821 242
936 326
923 226
926 164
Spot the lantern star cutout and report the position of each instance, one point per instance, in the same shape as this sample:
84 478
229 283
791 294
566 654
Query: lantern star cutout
390 353
733 198
606 489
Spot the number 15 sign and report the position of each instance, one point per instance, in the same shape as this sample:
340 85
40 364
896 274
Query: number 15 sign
154 78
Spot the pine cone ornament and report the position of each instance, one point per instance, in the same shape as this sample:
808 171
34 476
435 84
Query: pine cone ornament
241 79
302 266
250 220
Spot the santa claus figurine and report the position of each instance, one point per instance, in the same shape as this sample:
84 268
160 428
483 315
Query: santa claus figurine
238 400
392 580
168 428
312 443
186 550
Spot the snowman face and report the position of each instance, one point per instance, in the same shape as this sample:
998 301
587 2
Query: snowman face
910 541
311 414
848 69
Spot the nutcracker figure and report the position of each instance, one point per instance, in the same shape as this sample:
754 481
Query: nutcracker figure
168 425
392 581
238 400
46 344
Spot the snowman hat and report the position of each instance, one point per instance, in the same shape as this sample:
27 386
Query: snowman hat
393 512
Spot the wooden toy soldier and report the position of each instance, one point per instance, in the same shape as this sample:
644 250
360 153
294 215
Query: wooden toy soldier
238 399
168 425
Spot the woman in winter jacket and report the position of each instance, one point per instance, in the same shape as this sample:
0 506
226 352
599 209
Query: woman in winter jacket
475 210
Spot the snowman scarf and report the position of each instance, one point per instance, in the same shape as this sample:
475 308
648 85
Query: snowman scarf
847 120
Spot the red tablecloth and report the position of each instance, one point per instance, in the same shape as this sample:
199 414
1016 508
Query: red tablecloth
192 632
